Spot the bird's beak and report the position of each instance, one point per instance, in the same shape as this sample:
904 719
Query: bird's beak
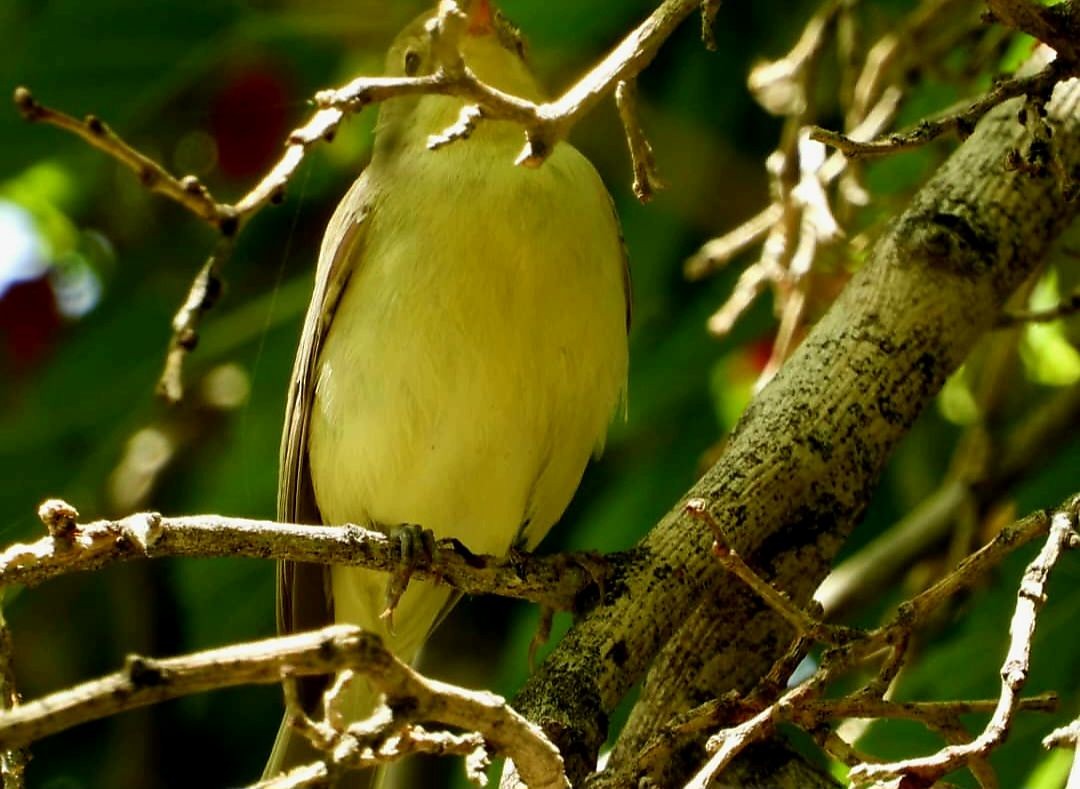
480 17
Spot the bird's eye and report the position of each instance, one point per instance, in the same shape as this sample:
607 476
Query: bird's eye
412 63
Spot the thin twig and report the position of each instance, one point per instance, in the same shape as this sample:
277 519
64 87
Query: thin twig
544 125
203 294
1067 736
962 122
145 681
646 180
1014 670
803 623
729 743
814 712
1066 307
187 191
554 581
716 253
979 563
13 761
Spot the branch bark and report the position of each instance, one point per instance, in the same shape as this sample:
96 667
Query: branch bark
145 681
797 472
557 582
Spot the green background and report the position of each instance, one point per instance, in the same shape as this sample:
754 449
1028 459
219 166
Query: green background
213 88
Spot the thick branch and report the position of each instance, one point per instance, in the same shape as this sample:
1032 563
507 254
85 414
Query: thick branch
1057 26
798 470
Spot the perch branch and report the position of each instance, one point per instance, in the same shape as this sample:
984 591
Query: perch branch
555 582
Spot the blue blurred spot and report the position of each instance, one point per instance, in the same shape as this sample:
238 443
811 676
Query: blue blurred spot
21 254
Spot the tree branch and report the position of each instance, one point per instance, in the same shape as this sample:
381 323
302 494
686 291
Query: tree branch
559 582
962 122
1057 26
797 472
1014 671
338 648
544 125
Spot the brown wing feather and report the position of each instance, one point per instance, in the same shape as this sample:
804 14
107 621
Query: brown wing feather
628 288
303 592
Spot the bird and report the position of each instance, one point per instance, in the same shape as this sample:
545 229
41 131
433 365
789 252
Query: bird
463 355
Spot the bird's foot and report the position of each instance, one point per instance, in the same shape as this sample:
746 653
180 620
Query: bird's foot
416 545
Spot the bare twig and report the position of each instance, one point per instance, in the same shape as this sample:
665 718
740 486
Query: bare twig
187 192
716 253
306 776
982 561
962 122
145 681
803 623
780 86
14 760
646 179
192 195
727 744
1067 736
1057 26
203 294
544 123
814 712
554 581
1014 671
1069 305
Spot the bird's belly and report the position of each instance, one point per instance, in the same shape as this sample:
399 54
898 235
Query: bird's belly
465 381
469 372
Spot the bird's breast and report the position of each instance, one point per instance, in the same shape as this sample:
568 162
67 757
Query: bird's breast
478 351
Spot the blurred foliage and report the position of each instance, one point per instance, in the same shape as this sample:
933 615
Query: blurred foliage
100 265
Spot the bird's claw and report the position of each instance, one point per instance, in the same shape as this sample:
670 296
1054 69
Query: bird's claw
417 546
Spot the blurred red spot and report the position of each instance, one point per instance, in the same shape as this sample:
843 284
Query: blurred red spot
249 120
29 323
759 351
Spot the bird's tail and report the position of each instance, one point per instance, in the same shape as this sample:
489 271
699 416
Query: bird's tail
292 749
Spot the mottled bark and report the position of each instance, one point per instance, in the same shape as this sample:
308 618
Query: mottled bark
798 471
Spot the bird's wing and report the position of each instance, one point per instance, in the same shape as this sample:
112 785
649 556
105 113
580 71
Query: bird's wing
628 294
303 590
